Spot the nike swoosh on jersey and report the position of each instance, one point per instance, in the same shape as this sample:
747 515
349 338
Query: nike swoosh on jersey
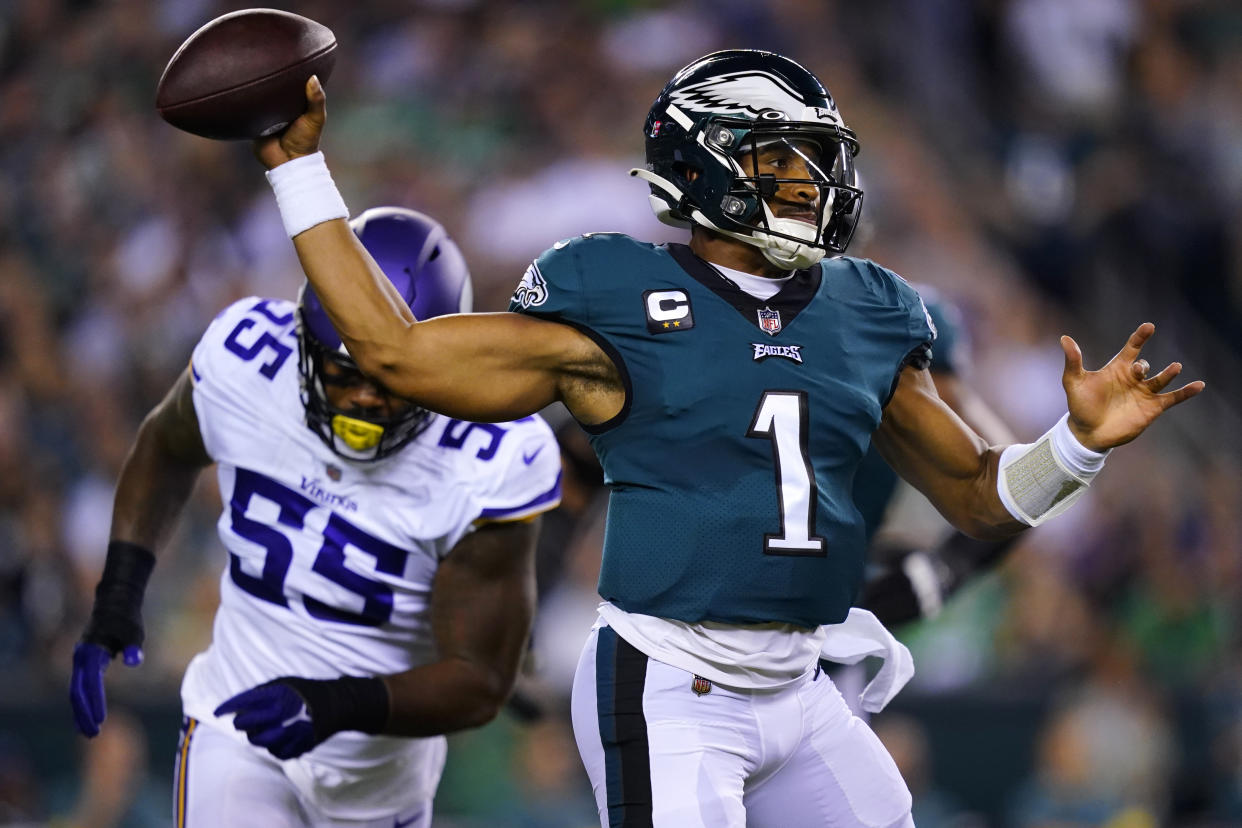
530 458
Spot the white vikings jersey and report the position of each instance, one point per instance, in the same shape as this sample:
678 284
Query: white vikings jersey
331 563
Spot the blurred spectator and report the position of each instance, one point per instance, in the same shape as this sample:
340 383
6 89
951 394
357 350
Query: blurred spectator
114 789
553 791
1053 165
1106 754
906 742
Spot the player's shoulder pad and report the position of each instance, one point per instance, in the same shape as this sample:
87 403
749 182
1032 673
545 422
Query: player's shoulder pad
886 287
522 476
879 280
557 281
952 341
591 246
254 335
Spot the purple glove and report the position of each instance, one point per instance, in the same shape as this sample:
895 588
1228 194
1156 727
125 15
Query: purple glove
86 690
274 716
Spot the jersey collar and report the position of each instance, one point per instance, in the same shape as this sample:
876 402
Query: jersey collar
792 298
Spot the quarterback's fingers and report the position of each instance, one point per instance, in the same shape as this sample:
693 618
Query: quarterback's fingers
317 100
1157 383
1130 351
1182 394
1073 357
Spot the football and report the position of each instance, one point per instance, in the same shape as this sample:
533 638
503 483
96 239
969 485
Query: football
243 75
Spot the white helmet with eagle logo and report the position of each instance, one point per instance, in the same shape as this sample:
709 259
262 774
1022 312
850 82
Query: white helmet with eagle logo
726 105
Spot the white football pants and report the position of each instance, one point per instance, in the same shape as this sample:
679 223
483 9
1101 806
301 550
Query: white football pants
661 755
222 781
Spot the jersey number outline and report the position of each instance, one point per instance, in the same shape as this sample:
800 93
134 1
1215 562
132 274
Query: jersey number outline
269 585
265 340
783 418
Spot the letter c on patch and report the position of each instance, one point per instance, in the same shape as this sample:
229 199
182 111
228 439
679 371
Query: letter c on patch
667 305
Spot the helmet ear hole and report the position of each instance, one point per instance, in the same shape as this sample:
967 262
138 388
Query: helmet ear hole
686 171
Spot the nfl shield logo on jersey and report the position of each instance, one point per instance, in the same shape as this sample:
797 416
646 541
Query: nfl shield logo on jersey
334 471
701 686
769 321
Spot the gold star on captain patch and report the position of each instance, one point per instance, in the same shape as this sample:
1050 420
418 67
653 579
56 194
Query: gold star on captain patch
666 324
675 325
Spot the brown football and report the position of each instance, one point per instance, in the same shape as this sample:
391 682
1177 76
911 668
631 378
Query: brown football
243 75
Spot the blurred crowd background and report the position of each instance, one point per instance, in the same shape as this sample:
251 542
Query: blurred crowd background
1051 166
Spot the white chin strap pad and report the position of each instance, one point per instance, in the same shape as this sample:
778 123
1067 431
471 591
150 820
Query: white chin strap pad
784 253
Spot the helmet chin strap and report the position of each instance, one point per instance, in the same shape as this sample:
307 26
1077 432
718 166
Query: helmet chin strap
783 253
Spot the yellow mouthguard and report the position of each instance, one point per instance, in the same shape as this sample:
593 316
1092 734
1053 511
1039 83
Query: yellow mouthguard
359 435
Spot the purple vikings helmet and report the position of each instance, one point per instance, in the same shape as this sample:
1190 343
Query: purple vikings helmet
428 270
710 120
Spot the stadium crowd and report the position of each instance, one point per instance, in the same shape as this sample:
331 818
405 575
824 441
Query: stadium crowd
1050 165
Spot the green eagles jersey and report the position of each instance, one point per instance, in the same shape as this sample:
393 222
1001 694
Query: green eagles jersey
876 481
732 463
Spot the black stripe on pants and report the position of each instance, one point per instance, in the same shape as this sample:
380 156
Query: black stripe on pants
620 676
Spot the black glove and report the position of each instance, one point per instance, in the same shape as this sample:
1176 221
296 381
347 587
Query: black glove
908 588
916 583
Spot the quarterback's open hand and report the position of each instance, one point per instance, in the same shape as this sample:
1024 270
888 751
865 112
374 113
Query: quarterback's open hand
273 716
1112 406
302 136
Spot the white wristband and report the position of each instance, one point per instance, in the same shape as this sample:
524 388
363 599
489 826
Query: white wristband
305 193
1040 480
1080 459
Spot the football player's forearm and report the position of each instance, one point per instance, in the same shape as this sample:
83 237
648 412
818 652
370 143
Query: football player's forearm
933 449
956 473
466 366
973 506
449 695
362 303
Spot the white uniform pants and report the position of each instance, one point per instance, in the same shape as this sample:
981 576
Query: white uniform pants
660 754
222 781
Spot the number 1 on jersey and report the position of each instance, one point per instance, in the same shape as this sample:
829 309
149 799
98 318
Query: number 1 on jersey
782 417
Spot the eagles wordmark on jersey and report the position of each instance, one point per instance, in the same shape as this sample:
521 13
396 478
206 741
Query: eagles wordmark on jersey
731 466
